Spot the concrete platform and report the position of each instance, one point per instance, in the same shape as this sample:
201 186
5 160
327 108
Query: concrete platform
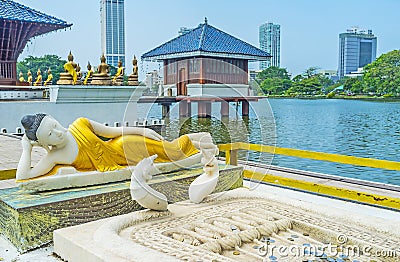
348 189
29 219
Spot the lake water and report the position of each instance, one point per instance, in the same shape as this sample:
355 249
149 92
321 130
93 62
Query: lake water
347 127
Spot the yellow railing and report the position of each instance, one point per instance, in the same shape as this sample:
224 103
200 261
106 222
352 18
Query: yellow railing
231 151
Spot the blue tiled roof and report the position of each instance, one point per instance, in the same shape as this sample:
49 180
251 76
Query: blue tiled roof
10 10
206 40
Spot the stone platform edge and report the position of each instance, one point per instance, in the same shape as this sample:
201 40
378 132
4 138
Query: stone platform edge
28 225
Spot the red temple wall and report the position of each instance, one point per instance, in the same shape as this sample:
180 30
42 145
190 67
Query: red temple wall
205 70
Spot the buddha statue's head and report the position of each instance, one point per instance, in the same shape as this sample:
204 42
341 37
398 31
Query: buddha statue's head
44 129
78 68
49 71
89 66
103 58
134 61
21 74
29 73
70 57
119 63
39 72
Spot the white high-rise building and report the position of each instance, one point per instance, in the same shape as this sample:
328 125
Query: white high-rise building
270 42
113 31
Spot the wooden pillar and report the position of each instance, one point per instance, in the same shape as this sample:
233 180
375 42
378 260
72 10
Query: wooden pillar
189 109
208 109
202 109
183 108
165 110
245 108
165 72
201 80
224 109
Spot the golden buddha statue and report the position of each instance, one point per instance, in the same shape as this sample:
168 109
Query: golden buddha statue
30 79
102 77
69 77
39 78
89 75
118 79
134 77
78 74
21 77
49 80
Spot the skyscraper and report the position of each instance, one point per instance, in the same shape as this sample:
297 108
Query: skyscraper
270 42
357 48
113 31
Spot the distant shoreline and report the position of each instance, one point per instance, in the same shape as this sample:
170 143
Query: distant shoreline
366 98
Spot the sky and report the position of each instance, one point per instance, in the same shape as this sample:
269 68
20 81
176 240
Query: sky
309 28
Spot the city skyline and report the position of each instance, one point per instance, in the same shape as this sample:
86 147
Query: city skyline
310 37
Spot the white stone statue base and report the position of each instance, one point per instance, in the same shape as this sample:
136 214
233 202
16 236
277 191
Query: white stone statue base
69 178
224 218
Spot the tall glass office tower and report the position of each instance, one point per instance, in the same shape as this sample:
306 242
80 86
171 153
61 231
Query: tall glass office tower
270 42
113 31
357 48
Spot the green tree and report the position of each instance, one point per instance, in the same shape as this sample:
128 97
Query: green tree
275 85
354 85
331 87
274 80
54 62
309 83
307 86
273 72
310 72
383 75
298 78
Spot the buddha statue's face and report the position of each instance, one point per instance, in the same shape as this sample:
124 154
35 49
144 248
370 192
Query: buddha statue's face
51 133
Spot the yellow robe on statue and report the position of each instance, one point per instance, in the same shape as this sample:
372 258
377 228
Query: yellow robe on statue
97 154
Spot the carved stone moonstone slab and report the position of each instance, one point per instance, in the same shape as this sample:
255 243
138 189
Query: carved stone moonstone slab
238 225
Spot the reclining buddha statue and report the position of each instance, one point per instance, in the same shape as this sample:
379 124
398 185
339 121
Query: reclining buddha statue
90 146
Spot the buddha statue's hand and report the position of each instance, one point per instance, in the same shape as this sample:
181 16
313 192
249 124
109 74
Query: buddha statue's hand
26 143
149 133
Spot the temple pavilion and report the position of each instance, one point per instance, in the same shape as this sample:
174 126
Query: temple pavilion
18 24
207 62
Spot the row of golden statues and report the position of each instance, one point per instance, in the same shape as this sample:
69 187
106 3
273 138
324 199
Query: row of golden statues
39 78
73 75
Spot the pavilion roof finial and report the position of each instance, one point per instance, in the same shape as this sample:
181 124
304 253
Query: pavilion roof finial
205 20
